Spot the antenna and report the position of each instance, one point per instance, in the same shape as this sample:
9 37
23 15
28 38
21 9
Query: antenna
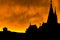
50 1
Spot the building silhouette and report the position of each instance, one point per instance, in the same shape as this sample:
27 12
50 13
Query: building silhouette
52 24
5 29
32 29
34 33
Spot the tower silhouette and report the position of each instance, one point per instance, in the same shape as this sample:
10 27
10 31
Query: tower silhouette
52 17
52 24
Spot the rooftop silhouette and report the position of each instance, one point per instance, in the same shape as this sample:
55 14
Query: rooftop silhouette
32 29
34 33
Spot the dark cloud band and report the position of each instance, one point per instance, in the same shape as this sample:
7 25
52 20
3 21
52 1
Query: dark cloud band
26 2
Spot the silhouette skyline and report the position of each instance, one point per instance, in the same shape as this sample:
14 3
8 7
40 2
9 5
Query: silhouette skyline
34 33
51 25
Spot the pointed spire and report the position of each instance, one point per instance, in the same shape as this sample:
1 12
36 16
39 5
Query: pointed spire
51 5
55 14
51 8
52 17
51 2
55 10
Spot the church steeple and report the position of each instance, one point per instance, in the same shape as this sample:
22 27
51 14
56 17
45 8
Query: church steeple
55 16
52 17
51 7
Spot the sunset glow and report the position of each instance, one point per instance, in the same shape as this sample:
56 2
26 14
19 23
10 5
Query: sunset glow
17 15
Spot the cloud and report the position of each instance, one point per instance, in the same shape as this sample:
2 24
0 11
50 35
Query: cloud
33 2
22 18
17 12
26 2
59 5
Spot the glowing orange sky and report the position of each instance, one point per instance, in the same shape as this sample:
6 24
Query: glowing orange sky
16 15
